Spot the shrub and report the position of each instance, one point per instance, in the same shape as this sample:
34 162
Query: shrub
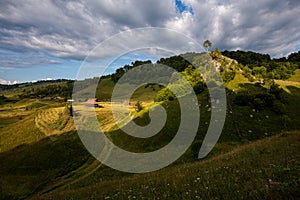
285 121
164 95
277 91
278 107
268 99
242 100
138 106
258 103
251 78
198 87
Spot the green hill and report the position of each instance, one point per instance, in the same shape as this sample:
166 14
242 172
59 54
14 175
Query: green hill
266 169
255 157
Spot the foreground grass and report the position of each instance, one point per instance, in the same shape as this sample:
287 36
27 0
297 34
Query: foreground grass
268 169
29 168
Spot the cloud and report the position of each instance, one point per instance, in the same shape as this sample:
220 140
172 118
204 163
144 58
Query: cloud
267 26
10 59
5 82
71 29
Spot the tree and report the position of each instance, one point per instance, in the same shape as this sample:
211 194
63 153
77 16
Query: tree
260 72
138 106
207 44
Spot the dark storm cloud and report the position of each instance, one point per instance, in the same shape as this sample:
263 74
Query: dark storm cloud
70 29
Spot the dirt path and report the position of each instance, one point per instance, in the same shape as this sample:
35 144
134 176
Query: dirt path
287 82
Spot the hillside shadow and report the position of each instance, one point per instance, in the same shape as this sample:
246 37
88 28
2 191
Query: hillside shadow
27 168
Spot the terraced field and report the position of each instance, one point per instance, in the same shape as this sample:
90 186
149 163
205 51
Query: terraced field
53 121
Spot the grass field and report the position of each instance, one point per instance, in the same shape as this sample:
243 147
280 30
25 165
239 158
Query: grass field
267 169
255 157
53 121
296 76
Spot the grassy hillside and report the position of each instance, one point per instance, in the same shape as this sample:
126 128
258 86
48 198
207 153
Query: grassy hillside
255 157
296 76
28 168
266 169
21 122
61 162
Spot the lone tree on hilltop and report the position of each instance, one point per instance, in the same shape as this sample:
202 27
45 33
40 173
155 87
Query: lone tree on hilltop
207 44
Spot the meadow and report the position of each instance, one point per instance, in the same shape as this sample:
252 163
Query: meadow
256 157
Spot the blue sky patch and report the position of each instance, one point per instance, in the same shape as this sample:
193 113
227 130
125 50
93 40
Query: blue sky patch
181 7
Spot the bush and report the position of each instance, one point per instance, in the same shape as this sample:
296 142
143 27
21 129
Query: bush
198 87
258 103
228 76
242 100
279 107
277 91
138 106
285 121
164 95
268 99
251 78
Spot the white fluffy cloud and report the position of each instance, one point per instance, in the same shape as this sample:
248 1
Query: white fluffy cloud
267 26
70 29
5 82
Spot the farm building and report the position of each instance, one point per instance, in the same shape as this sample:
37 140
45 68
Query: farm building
92 102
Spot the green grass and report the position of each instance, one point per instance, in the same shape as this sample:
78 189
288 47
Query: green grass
30 167
20 132
296 76
266 169
23 122
5 121
53 121
235 83
34 163
35 105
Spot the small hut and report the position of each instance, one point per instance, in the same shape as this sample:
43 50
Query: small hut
92 102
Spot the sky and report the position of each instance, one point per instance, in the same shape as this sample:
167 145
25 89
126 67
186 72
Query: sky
49 39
